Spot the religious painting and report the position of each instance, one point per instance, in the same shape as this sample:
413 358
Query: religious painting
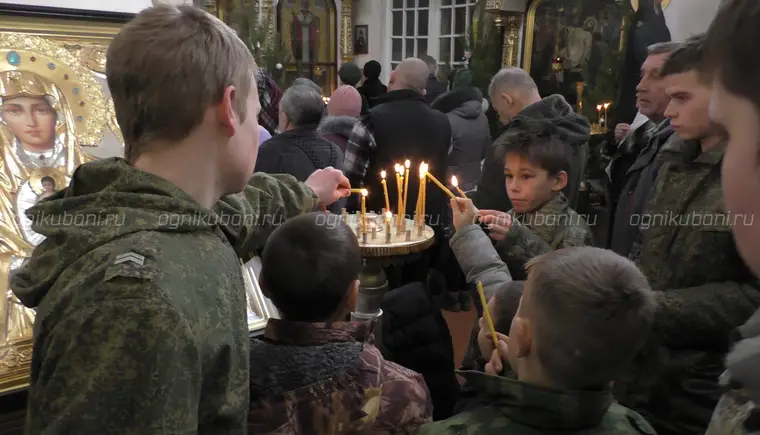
55 113
361 39
309 30
574 48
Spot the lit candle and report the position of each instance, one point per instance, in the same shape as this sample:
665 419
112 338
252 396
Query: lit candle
385 190
407 164
423 207
440 185
364 211
606 113
455 183
399 189
599 113
487 315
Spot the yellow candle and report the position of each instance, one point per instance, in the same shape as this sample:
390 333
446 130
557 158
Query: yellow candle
439 184
487 315
423 208
364 210
455 183
417 211
385 190
399 188
407 164
356 190
388 217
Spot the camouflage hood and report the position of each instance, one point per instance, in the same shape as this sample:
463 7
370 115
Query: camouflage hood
106 199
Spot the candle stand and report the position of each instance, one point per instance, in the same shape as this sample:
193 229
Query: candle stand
379 252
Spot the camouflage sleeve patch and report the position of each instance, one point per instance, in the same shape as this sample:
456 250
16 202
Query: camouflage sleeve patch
267 201
136 263
520 245
124 366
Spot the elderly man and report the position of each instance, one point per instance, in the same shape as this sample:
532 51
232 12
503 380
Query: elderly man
630 171
401 126
514 96
299 150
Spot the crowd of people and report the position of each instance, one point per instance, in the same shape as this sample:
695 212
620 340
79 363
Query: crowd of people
141 328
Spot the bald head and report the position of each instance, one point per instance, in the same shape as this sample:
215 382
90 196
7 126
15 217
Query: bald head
411 73
511 90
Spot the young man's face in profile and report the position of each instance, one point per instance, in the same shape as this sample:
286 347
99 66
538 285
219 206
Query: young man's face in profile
528 186
741 168
689 105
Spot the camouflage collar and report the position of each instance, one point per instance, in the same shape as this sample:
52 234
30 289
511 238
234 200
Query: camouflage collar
313 334
539 407
713 156
544 220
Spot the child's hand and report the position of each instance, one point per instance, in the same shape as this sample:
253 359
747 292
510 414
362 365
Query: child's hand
496 365
464 212
499 223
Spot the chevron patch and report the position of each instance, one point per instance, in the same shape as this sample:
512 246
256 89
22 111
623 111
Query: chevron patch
130 257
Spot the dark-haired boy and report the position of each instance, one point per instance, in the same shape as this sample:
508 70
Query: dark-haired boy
311 373
735 106
686 250
536 163
350 75
584 314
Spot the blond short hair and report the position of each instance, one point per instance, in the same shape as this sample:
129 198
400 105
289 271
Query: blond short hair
592 311
167 66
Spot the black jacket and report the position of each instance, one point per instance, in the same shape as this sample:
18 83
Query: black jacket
372 90
434 89
492 193
416 336
299 153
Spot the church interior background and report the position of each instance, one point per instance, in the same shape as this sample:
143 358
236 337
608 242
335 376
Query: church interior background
587 50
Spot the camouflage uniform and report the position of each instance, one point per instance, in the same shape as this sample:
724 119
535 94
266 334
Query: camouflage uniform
321 379
552 226
704 289
520 408
141 322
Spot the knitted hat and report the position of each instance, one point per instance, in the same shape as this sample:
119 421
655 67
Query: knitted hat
345 101
350 74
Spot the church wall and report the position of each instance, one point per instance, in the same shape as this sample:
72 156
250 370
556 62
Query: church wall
374 15
686 18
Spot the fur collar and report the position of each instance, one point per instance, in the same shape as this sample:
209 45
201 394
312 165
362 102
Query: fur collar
455 98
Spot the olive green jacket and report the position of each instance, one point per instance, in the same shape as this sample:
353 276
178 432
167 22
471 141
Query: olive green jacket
141 309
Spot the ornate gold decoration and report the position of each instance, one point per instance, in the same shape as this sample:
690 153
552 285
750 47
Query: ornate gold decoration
36 176
82 92
635 4
94 57
347 31
14 365
511 40
269 17
113 124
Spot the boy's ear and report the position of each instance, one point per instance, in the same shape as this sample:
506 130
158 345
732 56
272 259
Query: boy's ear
225 111
560 181
352 296
523 336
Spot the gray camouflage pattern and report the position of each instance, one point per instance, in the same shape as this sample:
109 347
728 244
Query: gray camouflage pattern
516 407
552 226
157 348
704 292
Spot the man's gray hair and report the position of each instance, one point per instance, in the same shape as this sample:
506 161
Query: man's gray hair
663 48
302 105
512 79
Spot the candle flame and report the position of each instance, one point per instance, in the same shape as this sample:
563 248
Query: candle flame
454 181
407 164
606 105
598 107
388 215
365 192
400 169
423 169
383 174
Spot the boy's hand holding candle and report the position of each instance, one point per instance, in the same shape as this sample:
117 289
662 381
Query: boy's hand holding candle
463 212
